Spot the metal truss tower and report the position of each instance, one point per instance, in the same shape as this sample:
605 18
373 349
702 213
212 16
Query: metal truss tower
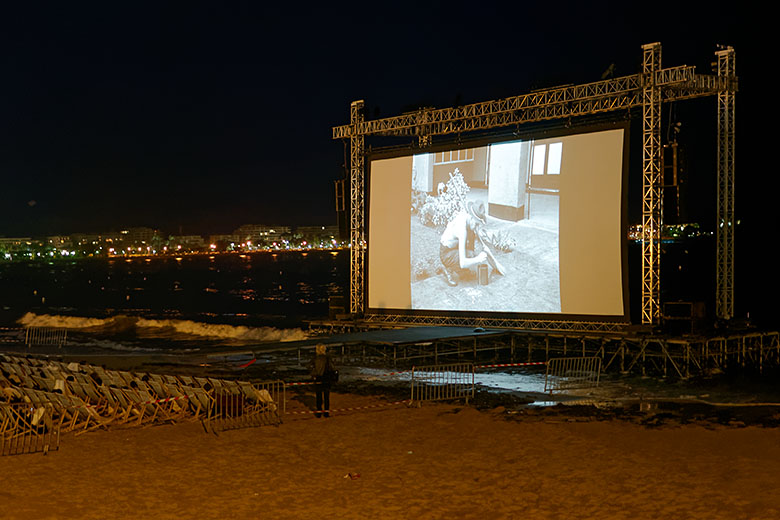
356 212
652 202
647 91
726 217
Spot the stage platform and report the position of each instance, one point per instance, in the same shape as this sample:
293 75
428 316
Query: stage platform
626 352
411 336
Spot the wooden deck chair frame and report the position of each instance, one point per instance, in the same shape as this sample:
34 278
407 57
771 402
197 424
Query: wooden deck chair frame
195 404
174 391
14 423
143 404
71 408
170 408
129 411
117 410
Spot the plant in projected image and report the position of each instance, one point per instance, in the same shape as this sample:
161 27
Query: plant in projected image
451 198
423 268
500 240
418 200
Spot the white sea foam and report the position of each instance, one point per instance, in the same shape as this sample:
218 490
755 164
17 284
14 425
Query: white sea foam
31 319
122 323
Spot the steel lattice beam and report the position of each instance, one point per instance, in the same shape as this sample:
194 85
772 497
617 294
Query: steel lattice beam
556 103
507 323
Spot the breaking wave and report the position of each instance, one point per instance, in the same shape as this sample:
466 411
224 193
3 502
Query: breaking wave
225 331
31 319
122 323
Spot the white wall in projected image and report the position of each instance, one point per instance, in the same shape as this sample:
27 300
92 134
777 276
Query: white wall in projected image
530 226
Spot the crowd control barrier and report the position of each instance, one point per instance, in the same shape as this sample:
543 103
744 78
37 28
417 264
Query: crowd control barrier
443 382
569 373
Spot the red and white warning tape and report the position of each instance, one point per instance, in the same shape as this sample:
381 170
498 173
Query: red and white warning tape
153 401
348 409
395 373
530 363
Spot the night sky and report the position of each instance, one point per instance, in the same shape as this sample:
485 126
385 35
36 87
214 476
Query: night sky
206 116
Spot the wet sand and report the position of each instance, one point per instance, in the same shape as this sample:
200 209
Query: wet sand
437 461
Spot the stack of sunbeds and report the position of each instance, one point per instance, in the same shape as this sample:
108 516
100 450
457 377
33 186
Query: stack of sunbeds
82 397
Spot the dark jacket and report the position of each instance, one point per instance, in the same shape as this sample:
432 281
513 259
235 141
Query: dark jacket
322 368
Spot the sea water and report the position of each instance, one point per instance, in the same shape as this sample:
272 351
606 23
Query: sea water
174 302
280 289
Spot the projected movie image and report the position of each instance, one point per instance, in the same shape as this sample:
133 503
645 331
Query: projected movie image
530 226
487 239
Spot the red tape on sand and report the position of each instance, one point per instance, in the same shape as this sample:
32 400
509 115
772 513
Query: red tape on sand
348 409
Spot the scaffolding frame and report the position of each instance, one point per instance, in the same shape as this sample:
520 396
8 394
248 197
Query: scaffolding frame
619 352
647 91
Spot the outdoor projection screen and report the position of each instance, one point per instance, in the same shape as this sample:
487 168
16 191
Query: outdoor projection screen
549 212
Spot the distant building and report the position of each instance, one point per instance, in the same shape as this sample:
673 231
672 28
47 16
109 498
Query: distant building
261 234
138 236
85 239
186 242
224 239
318 234
14 244
94 243
58 241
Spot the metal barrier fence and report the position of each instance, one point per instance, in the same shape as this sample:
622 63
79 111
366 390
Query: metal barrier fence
442 382
569 373
245 405
27 429
45 336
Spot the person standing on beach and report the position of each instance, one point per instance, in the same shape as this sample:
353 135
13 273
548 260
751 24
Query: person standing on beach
324 373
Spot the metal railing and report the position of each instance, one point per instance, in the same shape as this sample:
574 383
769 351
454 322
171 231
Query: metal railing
443 382
241 404
42 336
28 429
569 373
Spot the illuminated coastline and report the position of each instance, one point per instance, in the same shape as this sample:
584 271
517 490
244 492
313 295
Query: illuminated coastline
150 243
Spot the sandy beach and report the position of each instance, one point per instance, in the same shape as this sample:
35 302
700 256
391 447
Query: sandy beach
392 461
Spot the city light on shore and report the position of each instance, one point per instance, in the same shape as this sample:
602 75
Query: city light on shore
147 242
